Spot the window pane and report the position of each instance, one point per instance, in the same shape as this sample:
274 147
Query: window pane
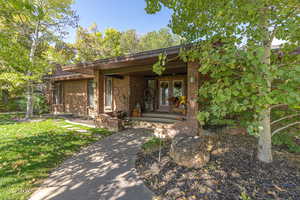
57 93
91 93
177 88
164 93
108 92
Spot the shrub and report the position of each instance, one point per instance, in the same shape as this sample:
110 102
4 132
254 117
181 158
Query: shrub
152 144
40 105
287 140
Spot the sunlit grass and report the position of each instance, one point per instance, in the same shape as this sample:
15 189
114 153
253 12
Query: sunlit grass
29 150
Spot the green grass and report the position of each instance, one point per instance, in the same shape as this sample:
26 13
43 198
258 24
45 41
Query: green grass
28 151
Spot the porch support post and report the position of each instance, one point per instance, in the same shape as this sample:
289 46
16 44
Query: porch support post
99 92
193 83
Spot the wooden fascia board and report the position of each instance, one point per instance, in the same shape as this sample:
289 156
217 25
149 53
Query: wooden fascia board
138 68
72 77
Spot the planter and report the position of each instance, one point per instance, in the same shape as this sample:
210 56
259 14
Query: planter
108 122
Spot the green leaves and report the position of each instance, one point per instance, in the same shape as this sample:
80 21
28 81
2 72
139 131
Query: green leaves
91 44
158 67
203 117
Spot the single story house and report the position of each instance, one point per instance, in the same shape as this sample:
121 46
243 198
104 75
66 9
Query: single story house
127 84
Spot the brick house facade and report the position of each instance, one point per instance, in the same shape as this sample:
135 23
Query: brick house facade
125 83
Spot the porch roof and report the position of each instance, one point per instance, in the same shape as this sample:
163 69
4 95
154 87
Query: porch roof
72 76
146 58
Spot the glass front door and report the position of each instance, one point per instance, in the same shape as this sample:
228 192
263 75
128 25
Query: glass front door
164 95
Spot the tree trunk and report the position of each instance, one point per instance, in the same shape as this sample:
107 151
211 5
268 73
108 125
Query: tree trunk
29 110
265 138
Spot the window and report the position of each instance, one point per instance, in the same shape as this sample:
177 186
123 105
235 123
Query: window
91 100
178 88
164 93
108 93
57 93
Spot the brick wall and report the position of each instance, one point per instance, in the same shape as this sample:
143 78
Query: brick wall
75 97
121 94
137 87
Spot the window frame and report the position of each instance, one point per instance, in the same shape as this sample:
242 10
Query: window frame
91 85
160 93
173 83
58 94
106 106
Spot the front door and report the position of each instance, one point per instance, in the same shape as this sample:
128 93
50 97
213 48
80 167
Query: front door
164 95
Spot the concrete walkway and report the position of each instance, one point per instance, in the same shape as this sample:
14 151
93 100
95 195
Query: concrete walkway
102 171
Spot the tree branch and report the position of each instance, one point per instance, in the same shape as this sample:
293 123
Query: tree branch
278 105
285 127
283 118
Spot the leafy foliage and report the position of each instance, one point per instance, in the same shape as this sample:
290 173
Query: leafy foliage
232 42
288 140
28 29
129 42
92 44
158 39
152 144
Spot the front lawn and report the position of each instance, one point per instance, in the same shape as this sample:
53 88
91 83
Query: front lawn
29 150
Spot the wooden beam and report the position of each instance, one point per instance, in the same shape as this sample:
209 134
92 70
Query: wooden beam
132 69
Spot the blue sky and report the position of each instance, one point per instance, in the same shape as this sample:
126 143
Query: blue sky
119 14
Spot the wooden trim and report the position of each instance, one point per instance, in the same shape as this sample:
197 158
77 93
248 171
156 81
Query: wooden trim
109 62
131 68
72 77
108 108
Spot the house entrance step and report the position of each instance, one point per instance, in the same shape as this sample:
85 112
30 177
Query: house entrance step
163 116
154 119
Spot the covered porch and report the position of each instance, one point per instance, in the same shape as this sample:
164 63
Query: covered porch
128 85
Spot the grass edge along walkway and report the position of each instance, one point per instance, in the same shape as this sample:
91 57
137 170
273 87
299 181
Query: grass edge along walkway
30 150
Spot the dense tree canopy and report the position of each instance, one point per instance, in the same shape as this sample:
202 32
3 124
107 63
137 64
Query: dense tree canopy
158 39
91 44
28 28
232 42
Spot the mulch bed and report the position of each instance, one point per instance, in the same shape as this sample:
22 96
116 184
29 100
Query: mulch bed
233 173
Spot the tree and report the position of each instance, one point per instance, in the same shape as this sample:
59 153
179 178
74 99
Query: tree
62 53
111 43
129 42
158 39
91 44
37 23
232 42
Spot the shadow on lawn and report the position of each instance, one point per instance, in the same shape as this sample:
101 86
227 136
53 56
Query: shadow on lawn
6 119
104 170
30 158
